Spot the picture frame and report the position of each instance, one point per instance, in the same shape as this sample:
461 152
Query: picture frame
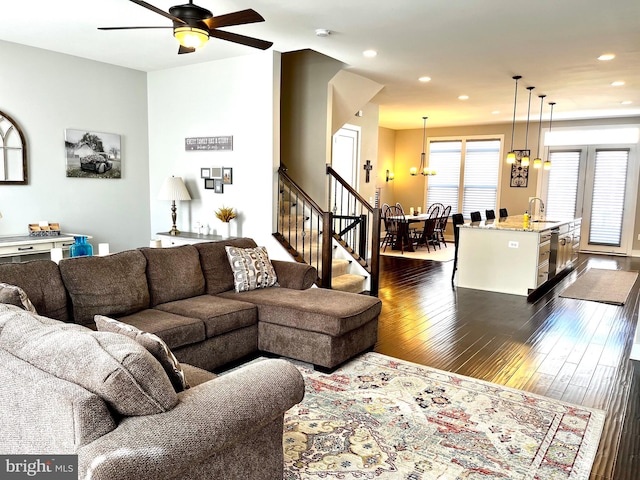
227 176
216 172
92 154
519 174
209 184
218 186
205 173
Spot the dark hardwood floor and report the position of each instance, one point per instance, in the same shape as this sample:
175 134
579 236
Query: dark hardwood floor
567 349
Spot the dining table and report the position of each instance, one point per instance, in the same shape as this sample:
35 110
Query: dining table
403 238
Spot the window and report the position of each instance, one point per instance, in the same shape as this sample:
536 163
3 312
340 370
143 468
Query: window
467 174
563 184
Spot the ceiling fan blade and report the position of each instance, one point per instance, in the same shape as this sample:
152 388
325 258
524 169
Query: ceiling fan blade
182 50
236 18
126 28
158 11
236 38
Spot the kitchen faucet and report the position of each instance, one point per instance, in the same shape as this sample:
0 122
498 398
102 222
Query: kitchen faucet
531 205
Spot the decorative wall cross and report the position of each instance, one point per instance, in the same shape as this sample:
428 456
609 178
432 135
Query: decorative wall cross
368 167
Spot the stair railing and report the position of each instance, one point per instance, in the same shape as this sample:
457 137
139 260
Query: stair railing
352 222
356 225
301 226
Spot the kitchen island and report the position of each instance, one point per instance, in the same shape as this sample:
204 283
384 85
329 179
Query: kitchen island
510 256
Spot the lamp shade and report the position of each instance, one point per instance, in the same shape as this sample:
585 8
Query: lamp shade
174 188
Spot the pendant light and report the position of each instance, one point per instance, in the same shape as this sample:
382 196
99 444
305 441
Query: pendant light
547 162
525 159
537 162
511 156
424 169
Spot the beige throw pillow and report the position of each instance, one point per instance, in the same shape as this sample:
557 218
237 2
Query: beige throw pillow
154 345
251 268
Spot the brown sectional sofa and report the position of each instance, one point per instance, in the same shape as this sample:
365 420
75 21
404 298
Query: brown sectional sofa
186 296
57 395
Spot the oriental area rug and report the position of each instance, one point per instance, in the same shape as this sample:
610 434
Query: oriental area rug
381 418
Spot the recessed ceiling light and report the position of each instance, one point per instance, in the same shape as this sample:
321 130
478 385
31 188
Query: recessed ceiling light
463 97
425 79
617 83
495 112
322 32
370 53
626 102
606 56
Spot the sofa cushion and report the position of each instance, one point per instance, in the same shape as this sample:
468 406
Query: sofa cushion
154 345
251 268
13 295
42 282
215 263
175 330
317 309
110 365
173 273
111 285
219 315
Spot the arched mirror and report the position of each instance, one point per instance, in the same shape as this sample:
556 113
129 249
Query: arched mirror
13 152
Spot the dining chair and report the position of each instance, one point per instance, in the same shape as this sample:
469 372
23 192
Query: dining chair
393 220
398 205
435 206
503 213
442 224
476 217
491 214
457 219
428 235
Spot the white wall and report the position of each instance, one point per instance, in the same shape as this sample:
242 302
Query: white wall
239 97
45 93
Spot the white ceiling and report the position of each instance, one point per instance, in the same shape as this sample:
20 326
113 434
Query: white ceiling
470 47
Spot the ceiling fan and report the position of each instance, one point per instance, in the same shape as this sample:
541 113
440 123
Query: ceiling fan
193 25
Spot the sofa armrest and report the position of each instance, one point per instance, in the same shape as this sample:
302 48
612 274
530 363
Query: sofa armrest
298 276
207 419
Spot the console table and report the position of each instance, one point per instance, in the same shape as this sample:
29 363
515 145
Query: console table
185 238
17 245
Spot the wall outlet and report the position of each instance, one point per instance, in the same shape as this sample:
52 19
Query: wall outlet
513 244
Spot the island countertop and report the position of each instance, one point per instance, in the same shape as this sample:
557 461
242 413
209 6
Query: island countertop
515 223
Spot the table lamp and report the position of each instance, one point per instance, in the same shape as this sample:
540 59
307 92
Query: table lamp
174 189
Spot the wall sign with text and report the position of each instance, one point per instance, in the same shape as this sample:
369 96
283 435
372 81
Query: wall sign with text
209 143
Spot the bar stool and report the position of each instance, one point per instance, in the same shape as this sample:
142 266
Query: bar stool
476 217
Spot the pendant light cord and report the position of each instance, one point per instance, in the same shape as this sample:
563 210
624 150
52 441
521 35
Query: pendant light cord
515 100
526 135
540 125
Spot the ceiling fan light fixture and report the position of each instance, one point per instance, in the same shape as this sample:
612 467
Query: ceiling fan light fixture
191 37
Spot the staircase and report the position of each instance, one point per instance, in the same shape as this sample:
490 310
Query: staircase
301 227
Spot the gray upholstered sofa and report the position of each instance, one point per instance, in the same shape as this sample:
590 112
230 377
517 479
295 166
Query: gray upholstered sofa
67 389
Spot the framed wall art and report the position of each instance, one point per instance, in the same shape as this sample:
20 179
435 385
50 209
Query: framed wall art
205 173
216 172
218 188
227 176
519 174
92 154
209 183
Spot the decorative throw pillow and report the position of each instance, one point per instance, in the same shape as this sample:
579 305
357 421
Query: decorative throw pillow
251 268
14 295
154 345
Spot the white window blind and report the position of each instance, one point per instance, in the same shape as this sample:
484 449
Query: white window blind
607 206
563 184
444 158
481 164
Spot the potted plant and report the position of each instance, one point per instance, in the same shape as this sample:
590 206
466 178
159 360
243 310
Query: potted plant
225 215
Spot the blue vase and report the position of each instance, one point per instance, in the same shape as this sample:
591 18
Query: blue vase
80 248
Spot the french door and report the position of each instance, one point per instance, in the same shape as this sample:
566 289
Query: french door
599 184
